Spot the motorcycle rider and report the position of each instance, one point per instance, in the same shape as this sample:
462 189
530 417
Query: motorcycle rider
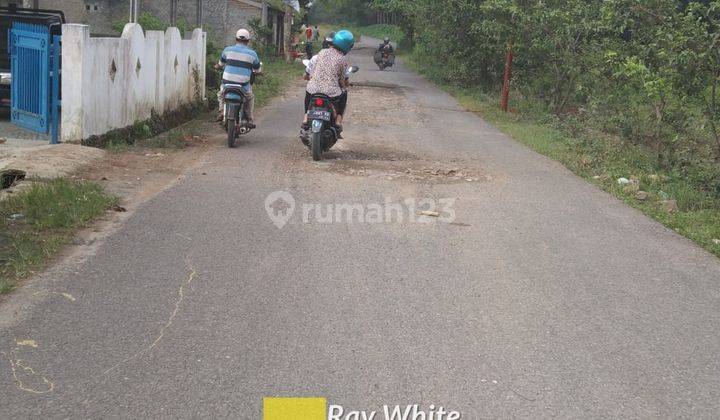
327 76
240 64
386 47
384 55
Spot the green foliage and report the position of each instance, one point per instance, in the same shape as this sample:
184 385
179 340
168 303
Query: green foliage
355 12
213 77
646 71
277 75
395 33
60 204
35 223
150 22
263 33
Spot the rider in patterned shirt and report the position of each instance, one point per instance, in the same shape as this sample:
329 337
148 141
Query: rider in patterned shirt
327 75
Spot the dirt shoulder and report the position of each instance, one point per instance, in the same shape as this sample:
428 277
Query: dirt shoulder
62 200
136 174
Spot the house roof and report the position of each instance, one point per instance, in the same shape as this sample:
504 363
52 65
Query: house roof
275 4
251 3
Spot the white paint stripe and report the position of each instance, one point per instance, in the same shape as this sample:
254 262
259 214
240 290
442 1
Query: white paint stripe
232 55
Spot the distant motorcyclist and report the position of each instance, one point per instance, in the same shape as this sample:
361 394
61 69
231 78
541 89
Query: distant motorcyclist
327 75
384 55
240 63
386 46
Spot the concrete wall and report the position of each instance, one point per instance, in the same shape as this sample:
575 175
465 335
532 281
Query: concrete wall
221 18
99 14
111 83
238 16
215 20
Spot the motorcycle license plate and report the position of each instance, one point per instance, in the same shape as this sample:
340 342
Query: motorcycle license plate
318 114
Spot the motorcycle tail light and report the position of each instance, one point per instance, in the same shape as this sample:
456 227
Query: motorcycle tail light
319 102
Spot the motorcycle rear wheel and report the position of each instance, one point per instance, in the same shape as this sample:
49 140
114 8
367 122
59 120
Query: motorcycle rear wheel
231 133
316 146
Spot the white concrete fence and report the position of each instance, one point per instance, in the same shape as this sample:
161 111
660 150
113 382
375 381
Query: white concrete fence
110 83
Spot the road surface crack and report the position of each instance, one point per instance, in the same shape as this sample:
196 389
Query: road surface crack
171 319
18 367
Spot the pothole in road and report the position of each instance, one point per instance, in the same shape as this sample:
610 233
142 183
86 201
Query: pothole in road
379 117
371 153
380 162
412 171
384 163
379 85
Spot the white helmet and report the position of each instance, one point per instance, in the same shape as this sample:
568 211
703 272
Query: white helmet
243 35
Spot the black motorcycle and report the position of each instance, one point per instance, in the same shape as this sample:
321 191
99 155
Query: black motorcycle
235 121
322 134
384 58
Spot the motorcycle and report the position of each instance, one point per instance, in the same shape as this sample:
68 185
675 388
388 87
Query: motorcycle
384 59
322 134
235 125
235 121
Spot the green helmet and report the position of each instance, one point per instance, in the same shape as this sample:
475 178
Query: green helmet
344 41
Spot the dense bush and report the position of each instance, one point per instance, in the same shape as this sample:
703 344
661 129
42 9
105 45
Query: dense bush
645 70
355 12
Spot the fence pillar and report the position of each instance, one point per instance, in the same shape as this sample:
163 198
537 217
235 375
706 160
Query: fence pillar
74 39
55 91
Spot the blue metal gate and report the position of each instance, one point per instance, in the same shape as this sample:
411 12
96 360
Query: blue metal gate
30 48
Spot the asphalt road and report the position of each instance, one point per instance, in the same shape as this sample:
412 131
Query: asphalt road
545 297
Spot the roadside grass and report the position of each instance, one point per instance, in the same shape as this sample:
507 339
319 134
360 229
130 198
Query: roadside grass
37 222
603 159
277 75
174 138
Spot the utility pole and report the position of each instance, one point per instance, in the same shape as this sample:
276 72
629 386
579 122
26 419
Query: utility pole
288 32
199 13
264 17
134 11
507 75
173 12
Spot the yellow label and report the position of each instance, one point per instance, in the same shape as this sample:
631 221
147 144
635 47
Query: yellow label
294 408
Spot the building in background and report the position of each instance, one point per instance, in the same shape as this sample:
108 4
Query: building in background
220 18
